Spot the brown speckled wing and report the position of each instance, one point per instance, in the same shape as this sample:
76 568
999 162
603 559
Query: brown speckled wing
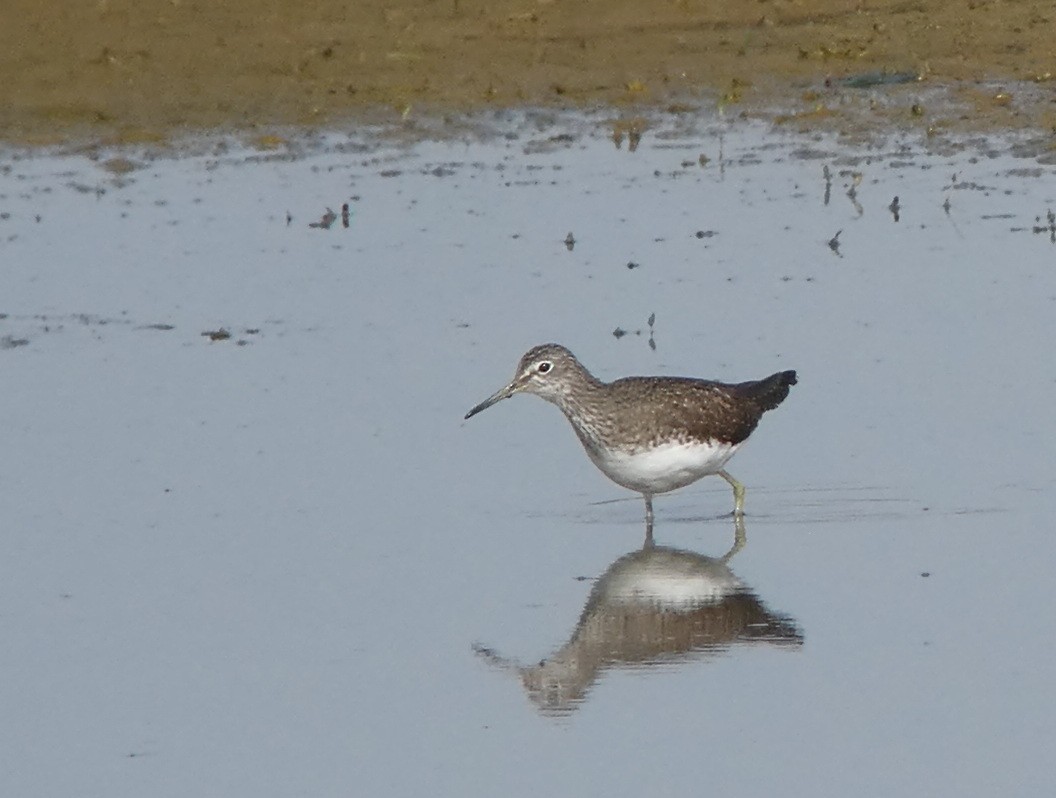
698 409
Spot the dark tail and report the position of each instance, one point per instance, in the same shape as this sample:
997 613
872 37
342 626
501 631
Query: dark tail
770 392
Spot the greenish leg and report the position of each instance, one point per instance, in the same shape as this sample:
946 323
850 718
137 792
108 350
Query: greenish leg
738 493
739 538
648 520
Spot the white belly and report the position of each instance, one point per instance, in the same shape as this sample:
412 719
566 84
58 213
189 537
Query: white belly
667 467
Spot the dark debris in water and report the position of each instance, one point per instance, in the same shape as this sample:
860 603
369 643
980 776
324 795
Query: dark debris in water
325 221
619 332
50 324
10 342
554 143
970 185
852 192
1041 227
223 334
834 243
1049 228
84 188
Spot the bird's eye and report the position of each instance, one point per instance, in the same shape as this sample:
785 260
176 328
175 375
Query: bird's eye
544 367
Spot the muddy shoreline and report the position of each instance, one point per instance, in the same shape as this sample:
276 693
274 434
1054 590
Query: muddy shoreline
118 70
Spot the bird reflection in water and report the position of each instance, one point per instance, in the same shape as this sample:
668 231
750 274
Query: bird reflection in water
652 607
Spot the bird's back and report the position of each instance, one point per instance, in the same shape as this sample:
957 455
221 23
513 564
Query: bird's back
660 408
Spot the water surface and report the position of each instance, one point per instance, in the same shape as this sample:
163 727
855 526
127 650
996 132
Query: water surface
279 562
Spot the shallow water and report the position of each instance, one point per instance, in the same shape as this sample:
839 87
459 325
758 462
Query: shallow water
281 563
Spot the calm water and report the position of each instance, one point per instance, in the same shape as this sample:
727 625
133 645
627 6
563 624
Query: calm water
281 564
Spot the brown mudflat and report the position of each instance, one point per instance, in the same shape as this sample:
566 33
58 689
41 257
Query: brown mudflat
136 70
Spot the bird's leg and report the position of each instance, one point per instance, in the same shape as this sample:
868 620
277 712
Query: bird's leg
738 492
648 521
739 538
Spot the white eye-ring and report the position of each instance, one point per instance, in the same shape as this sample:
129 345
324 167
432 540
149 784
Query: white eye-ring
544 367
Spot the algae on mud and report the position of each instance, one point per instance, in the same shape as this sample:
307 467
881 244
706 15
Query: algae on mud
138 72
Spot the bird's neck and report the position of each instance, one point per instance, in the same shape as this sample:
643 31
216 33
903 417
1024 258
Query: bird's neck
581 401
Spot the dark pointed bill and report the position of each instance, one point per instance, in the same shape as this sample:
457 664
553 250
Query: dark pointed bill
498 396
